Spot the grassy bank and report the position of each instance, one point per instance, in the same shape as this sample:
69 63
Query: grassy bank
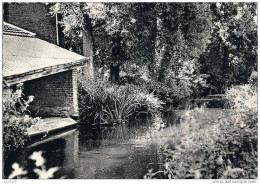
213 143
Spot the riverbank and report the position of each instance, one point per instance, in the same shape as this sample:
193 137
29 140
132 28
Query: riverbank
209 144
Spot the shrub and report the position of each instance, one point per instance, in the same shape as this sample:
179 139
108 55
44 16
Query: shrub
161 90
16 119
170 91
242 98
222 146
164 91
111 103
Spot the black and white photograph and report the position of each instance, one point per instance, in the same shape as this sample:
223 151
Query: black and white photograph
130 90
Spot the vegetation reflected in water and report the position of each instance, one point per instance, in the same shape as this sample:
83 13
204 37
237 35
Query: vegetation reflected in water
113 152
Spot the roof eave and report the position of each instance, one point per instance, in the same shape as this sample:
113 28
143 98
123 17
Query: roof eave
18 34
34 74
30 34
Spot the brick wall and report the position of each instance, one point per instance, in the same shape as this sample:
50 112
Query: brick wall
33 17
6 92
55 95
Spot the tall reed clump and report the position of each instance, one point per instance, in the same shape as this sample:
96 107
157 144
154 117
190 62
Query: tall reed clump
210 143
115 104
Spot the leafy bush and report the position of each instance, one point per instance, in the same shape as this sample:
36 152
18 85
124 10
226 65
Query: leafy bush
110 103
16 119
172 91
242 98
164 91
224 145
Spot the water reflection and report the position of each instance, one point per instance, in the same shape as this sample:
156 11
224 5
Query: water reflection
117 152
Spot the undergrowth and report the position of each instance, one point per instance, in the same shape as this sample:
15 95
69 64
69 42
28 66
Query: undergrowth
220 146
16 119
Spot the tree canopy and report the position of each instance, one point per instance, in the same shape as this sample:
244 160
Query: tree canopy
183 45
232 54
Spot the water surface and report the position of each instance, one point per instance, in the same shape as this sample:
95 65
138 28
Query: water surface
84 155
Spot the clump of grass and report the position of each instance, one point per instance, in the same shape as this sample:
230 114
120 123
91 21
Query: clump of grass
108 103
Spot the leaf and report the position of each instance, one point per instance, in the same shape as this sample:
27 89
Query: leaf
18 171
37 156
43 174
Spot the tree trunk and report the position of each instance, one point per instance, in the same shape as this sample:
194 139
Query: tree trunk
114 73
146 15
152 63
153 37
88 52
226 68
118 56
164 65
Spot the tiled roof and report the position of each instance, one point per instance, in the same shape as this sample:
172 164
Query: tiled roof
10 29
23 55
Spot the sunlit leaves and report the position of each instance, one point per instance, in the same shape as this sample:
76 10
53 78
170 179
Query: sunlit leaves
75 15
17 171
37 157
46 174
16 119
40 168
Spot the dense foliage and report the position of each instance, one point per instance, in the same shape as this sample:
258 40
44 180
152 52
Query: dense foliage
16 119
231 55
191 48
224 145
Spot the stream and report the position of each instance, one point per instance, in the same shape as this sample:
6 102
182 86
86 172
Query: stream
84 155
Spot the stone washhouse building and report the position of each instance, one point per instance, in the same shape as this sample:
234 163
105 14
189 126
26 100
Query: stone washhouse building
48 72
